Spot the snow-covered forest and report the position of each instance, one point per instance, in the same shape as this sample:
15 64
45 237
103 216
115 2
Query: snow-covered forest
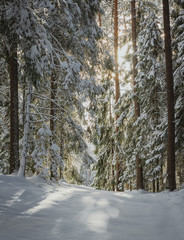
92 94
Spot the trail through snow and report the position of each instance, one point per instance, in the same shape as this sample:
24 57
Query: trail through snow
30 209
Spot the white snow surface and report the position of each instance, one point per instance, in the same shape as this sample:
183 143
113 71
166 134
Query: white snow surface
31 209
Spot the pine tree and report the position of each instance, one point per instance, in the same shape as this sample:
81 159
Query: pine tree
53 87
4 114
14 118
117 85
104 141
26 133
65 43
137 107
177 44
171 184
149 84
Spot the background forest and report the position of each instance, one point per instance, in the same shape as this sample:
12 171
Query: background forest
82 74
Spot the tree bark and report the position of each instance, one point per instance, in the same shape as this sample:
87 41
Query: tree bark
117 87
139 172
52 116
100 20
52 104
14 119
157 183
153 186
23 101
22 168
171 178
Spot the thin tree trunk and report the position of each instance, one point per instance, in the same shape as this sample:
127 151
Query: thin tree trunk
156 124
112 143
157 183
113 184
52 104
61 167
26 133
24 101
100 20
117 87
171 178
52 114
130 184
161 178
14 121
153 186
139 175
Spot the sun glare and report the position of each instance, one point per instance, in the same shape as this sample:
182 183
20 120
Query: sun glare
121 54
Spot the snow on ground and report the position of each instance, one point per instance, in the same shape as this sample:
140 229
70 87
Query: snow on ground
31 209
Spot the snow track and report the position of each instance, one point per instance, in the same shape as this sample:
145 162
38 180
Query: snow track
33 210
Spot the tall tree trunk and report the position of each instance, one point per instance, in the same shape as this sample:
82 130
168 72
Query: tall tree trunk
156 124
171 179
117 87
24 101
112 143
52 116
14 119
61 166
52 104
139 172
26 133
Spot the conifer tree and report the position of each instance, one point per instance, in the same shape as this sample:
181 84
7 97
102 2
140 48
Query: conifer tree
14 118
178 73
104 141
149 81
139 170
117 85
171 179
4 114
72 42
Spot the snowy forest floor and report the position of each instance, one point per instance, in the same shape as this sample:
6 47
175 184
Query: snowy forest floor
31 209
